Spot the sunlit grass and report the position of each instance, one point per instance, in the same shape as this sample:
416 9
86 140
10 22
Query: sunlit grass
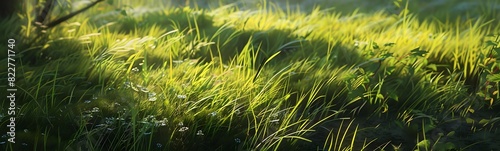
130 75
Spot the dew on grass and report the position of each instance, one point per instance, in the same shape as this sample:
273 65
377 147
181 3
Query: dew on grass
158 145
1 143
146 133
110 89
182 129
110 129
86 101
94 97
237 140
4 136
180 124
26 130
24 144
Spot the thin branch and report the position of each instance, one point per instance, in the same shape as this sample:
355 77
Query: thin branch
64 18
45 11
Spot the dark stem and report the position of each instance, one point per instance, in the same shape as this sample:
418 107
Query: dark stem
258 70
45 12
64 18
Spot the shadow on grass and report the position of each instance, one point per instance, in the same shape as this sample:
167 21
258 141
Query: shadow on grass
228 45
55 81
64 86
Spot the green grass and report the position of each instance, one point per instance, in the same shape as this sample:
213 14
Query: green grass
130 75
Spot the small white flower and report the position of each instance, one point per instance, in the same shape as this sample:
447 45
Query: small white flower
135 69
109 121
152 99
177 61
182 129
181 96
95 110
144 89
200 133
152 96
213 114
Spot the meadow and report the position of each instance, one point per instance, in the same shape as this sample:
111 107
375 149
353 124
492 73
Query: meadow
254 75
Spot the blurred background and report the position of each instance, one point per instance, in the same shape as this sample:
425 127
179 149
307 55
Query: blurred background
433 9
438 8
